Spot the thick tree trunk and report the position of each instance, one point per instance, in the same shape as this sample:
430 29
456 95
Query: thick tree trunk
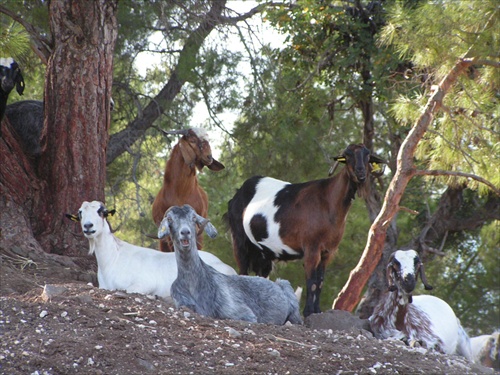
72 167
349 296
77 114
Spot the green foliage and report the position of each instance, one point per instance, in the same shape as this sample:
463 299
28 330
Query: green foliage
465 135
14 40
468 278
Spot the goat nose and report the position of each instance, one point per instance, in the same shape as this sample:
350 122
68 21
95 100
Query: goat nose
88 225
185 232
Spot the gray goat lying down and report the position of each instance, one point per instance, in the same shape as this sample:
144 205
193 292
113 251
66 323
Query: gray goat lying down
208 292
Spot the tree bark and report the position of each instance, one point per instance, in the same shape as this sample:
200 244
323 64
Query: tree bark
72 167
350 294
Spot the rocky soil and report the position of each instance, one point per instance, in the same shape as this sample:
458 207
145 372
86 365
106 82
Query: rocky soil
53 321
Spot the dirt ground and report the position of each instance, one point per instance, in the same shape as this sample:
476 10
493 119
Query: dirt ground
53 321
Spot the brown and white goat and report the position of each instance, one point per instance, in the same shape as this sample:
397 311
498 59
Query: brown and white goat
276 220
180 181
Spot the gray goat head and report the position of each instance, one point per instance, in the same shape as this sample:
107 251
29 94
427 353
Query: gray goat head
179 223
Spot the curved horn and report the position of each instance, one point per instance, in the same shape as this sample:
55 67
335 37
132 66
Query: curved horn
423 278
175 132
332 169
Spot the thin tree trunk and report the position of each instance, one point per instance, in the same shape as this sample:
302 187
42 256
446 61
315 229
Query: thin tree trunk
350 294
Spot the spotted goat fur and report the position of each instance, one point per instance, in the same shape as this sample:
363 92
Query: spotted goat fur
423 319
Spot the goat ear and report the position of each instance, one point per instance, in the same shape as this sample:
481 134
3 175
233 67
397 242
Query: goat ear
376 169
111 212
187 153
216 166
73 217
163 230
210 230
20 84
376 159
206 225
388 276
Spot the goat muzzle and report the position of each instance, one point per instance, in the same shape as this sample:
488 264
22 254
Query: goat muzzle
408 283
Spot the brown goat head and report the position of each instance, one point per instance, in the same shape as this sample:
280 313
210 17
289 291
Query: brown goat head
195 149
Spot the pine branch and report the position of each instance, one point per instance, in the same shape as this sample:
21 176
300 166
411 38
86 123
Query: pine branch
41 45
438 172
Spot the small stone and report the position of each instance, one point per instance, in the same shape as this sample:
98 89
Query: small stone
232 332
51 291
43 314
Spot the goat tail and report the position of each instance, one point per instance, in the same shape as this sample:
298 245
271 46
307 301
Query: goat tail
464 346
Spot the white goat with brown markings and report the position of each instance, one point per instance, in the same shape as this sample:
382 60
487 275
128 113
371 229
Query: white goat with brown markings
425 319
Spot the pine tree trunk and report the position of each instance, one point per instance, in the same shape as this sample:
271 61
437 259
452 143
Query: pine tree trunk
72 167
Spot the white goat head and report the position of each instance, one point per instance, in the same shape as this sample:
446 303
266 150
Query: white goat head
91 216
179 223
402 272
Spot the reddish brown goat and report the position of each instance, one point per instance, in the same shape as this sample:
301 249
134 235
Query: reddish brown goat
180 182
275 220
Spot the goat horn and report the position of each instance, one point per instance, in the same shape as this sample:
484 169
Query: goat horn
424 279
175 132
332 169
154 237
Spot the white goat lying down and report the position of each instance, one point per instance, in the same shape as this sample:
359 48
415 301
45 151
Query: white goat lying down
486 350
424 319
208 292
123 266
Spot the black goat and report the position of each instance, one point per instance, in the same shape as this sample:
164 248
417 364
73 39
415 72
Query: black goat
272 219
26 118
